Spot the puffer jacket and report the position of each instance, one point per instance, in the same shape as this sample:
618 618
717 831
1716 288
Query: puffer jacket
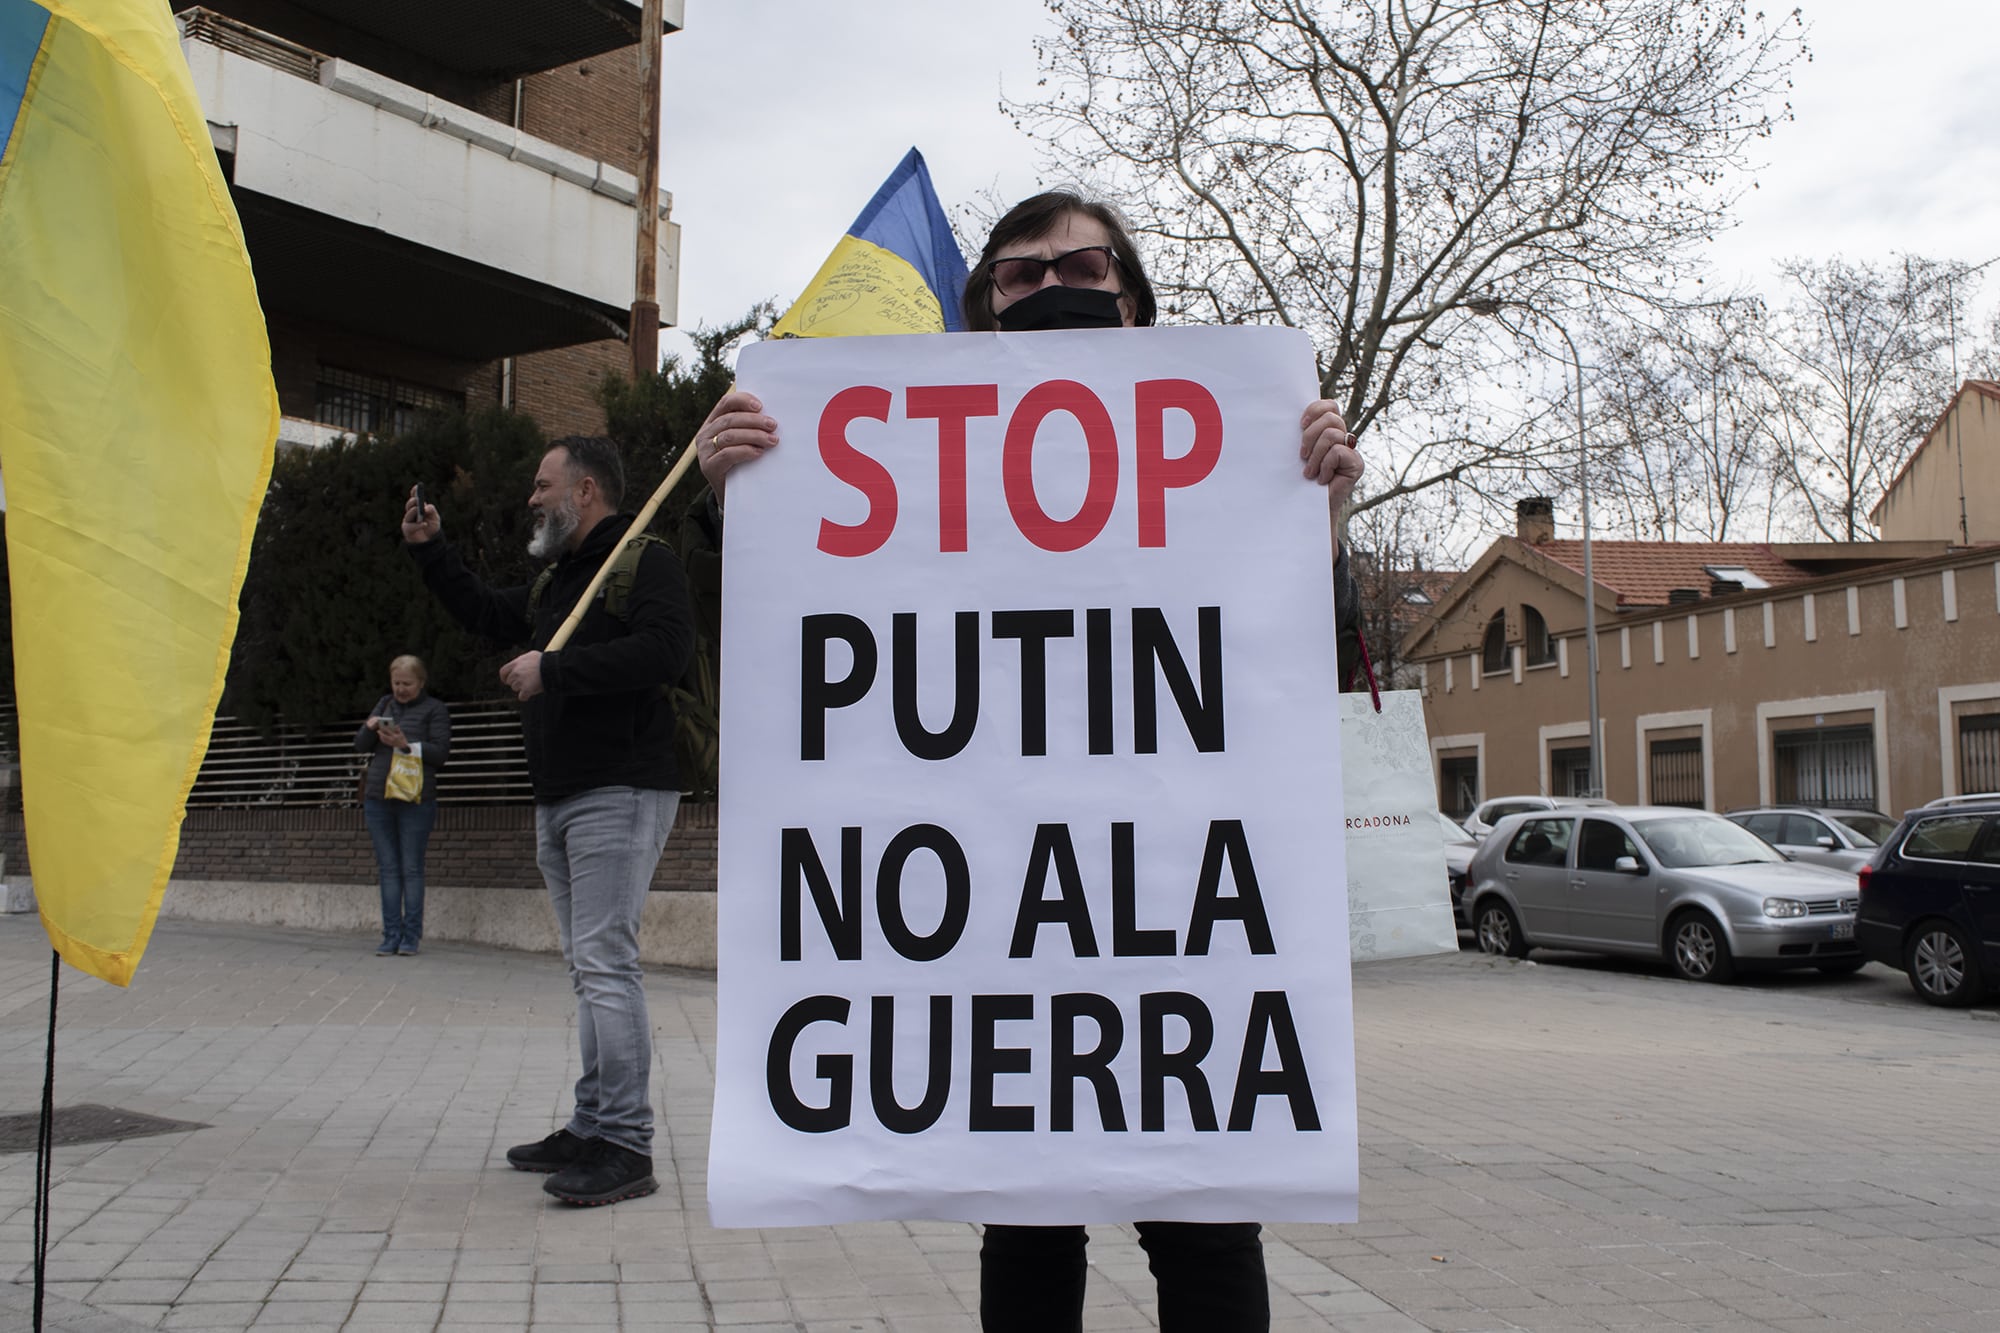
424 720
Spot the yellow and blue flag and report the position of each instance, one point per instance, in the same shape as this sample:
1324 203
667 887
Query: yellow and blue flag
897 270
137 418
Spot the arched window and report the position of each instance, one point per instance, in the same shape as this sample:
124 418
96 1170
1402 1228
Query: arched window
1493 656
1541 646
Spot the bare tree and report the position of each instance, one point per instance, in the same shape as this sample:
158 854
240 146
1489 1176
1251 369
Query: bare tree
1372 170
1679 424
1404 558
1981 358
1858 363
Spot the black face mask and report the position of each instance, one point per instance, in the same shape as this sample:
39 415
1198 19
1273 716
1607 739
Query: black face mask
1063 308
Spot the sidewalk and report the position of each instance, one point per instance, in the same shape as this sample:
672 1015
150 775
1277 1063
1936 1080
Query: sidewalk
352 1176
1545 1148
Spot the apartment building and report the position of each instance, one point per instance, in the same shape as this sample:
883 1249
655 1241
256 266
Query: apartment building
440 199
1729 674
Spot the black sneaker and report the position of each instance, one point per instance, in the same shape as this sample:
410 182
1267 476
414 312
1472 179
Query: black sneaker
605 1173
553 1153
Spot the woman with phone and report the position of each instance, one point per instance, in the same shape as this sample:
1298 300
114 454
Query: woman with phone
407 729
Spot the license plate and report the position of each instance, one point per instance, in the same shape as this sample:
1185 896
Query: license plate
1842 930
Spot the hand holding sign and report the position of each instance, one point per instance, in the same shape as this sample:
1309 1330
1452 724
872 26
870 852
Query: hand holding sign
735 432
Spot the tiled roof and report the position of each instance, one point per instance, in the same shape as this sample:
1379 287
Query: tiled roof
1643 573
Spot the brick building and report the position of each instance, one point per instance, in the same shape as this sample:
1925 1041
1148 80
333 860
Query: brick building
440 199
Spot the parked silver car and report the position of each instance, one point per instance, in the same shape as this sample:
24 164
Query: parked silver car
1660 882
1822 835
1494 809
1971 798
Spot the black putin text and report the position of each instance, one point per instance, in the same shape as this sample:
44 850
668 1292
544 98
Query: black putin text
1066 1044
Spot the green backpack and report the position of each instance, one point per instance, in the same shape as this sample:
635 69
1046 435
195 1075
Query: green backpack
616 590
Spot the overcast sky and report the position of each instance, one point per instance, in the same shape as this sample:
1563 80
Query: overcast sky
782 116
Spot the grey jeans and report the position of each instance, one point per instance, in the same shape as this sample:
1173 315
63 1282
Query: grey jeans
598 850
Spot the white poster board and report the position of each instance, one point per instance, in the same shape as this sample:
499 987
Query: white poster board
1000 914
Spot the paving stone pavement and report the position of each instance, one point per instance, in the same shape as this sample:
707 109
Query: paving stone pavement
1569 1145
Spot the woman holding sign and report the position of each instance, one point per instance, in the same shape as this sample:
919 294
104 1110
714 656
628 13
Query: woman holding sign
1060 261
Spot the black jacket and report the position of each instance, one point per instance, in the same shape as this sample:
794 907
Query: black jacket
1347 624
602 719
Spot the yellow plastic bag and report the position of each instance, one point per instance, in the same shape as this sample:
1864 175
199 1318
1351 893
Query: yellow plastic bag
406 778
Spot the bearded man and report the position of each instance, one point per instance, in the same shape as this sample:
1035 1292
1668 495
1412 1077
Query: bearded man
599 731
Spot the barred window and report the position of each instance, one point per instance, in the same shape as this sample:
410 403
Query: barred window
1825 766
1569 771
351 401
1493 654
1675 777
1458 784
1979 753
1538 642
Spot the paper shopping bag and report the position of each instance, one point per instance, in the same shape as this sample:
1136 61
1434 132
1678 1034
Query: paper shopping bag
1398 893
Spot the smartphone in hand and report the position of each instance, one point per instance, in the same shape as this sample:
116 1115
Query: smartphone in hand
420 501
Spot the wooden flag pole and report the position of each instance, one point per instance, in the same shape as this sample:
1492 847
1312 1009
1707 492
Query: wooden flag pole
639 525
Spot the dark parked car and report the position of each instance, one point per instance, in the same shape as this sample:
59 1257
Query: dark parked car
1823 835
1930 902
1658 882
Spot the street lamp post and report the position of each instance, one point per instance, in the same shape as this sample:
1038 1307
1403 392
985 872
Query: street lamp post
1491 306
1589 581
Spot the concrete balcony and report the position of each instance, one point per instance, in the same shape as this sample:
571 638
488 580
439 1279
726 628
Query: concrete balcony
298 433
489 40
371 205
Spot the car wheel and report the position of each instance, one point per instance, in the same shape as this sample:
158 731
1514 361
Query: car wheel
1499 930
1699 949
1942 967
1845 967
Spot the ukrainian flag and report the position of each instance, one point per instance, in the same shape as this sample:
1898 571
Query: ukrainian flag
898 269
137 417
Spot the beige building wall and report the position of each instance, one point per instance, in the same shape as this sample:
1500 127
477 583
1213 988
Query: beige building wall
1907 650
1923 502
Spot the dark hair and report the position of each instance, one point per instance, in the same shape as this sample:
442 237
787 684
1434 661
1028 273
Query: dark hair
1035 217
596 457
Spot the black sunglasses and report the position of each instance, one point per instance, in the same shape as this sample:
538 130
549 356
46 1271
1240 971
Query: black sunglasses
1078 268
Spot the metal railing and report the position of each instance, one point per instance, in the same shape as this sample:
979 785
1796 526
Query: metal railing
205 25
321 767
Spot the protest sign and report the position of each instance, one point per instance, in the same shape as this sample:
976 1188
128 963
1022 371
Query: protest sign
1031 880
